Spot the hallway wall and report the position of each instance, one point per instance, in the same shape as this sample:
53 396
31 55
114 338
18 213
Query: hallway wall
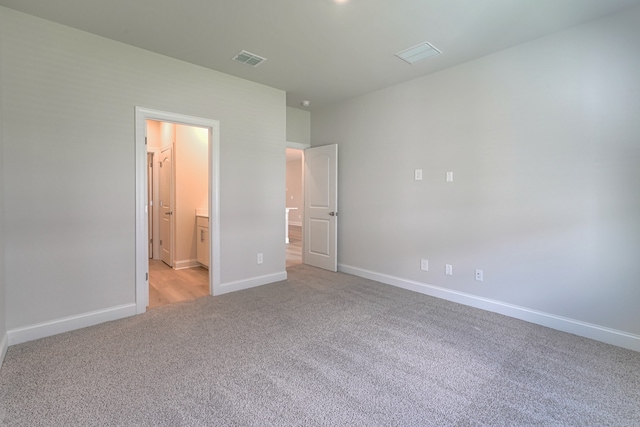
191 171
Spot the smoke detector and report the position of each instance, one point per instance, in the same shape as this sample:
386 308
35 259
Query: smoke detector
249 58
305 103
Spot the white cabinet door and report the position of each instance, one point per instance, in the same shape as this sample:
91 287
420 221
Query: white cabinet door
202 241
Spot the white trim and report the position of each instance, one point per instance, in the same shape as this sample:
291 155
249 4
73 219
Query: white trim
296 223
4 345
572 326
298 145
70 323
251 283
142 257
187 263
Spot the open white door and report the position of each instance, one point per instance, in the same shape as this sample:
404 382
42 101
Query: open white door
166 207
321 207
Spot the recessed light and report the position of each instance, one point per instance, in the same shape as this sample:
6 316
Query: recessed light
418 53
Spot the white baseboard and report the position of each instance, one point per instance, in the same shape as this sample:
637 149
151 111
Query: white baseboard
250 283
572 326
4 345
66 324
187 263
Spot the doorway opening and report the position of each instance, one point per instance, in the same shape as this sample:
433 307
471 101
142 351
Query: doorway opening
178 212
178 218
294 214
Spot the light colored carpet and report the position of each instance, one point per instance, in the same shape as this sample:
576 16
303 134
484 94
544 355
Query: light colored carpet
321 349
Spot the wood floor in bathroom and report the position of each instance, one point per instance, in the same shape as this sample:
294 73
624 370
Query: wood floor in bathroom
167 286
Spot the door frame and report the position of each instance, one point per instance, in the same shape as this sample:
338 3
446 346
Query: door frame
143 114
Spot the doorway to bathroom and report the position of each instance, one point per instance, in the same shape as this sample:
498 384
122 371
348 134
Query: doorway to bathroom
178 212
177 234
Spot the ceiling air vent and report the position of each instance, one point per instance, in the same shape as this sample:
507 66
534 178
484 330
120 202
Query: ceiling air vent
249 58
418 53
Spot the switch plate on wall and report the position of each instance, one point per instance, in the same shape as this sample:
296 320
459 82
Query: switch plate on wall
424 264
448 269
449 176
260 258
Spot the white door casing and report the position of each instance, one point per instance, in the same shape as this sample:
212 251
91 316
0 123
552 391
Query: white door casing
321 207
166 206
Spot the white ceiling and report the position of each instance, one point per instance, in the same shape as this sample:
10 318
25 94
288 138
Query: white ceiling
321 50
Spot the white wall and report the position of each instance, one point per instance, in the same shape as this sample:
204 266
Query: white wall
69 166
543 140
154 141
3 324
298 126
295 194
191 171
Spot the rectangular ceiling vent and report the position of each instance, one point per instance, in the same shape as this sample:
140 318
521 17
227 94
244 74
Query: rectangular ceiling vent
418 53
249 58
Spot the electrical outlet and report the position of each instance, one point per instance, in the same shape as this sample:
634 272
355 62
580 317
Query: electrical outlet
260 258
424 264
417 174
448 269
479 275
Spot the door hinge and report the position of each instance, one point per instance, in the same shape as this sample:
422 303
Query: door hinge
150 240
145 140
147 276
160 242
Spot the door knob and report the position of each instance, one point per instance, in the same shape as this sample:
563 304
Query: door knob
333 213
168 213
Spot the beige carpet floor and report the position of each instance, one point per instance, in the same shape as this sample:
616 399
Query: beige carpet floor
320 349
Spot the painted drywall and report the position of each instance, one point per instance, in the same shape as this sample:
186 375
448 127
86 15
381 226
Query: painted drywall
69 166
191 173
3 306
543 142
154 136
295 197
298 126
